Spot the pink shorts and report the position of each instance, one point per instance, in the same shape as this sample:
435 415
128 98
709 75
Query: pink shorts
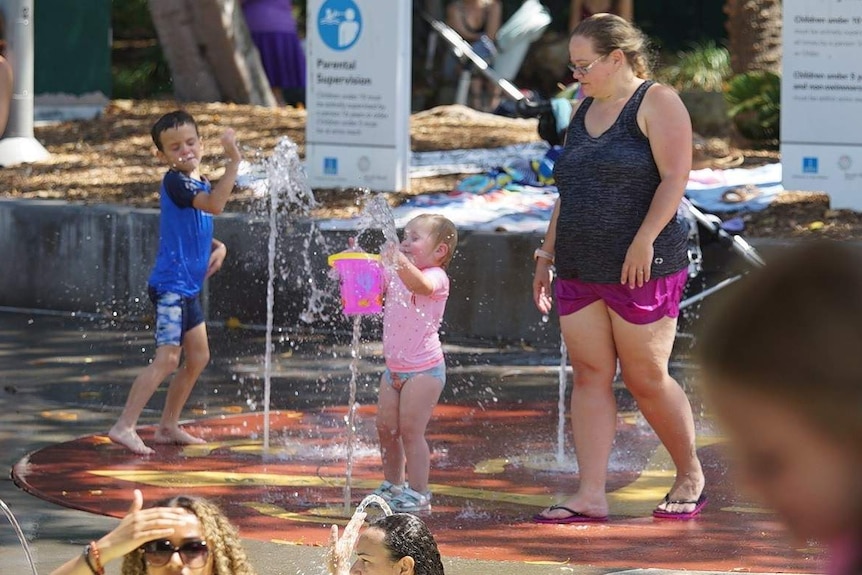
656 299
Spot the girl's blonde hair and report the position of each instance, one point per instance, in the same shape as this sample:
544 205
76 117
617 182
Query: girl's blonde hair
792 331
229 557
609 32
443 231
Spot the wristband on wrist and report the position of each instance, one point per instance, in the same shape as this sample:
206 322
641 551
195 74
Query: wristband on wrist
86 556
540 253
94 558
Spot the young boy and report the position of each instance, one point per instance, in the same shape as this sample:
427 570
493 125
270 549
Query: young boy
188 254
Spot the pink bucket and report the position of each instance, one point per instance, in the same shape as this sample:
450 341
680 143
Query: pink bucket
361 277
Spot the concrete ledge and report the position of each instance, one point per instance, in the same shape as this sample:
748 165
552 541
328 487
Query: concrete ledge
96 259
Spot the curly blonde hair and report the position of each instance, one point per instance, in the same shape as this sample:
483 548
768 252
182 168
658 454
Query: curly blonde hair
229 557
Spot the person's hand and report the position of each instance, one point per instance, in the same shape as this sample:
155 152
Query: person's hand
637 266
140 526
217 257
231 150
542 280
340 549
391 256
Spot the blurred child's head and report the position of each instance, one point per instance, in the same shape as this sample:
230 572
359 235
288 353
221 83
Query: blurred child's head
430 240
177 141
2 34
397 543
782 364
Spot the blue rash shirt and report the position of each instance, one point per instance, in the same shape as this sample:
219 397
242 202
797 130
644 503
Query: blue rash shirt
185 237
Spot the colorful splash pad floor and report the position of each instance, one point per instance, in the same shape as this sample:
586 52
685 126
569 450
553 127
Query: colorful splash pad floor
493 469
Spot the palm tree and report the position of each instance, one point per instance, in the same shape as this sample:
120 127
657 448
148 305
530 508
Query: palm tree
210 52
754 35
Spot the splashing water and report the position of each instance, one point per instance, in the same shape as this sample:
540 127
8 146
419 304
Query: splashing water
351 407
376 214
270 305
318 297
17 528
343 546
283 181
376 500
287 187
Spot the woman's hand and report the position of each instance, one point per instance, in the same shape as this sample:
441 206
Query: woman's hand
542 280
637 266
340 549
140 526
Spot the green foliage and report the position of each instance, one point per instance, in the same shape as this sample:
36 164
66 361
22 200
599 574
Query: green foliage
706 66
755 104
138 67
130 19
141 79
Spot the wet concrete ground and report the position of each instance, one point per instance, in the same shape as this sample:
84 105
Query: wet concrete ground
494 439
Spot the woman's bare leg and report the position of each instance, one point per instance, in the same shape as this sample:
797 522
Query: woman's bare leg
588 337
644 352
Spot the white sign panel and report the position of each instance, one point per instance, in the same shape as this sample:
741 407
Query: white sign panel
358 94
821 99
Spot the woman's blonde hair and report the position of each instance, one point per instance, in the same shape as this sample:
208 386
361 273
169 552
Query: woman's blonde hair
443 231
228 554
609 32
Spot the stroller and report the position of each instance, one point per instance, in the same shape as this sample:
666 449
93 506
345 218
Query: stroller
513 39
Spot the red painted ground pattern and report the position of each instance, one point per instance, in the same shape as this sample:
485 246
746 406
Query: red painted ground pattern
492 470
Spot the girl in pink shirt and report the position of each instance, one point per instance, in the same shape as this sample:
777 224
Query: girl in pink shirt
416 295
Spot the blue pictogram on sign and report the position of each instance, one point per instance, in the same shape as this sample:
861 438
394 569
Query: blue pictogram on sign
330 166
809 165
339 23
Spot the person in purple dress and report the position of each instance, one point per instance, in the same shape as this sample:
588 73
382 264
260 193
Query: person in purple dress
273 30
5 80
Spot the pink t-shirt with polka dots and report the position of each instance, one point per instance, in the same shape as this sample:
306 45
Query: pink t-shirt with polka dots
411 323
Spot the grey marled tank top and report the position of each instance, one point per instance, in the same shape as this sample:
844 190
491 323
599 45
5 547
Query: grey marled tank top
606 185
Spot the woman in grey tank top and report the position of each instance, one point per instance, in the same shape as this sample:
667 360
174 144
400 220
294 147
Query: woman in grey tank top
619 252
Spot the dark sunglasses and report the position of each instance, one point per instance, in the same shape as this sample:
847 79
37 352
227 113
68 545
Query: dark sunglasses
193 553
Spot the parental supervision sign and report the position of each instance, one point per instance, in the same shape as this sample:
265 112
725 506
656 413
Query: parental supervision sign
821 99
358 94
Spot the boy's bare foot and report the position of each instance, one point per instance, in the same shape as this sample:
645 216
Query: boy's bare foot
176 436
129 438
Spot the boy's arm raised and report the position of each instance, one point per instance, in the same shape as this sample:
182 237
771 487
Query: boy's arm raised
215 201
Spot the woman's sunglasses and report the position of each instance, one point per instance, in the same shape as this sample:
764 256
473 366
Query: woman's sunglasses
193 553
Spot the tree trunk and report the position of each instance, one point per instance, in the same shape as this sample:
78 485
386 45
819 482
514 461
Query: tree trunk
210 52
754 35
